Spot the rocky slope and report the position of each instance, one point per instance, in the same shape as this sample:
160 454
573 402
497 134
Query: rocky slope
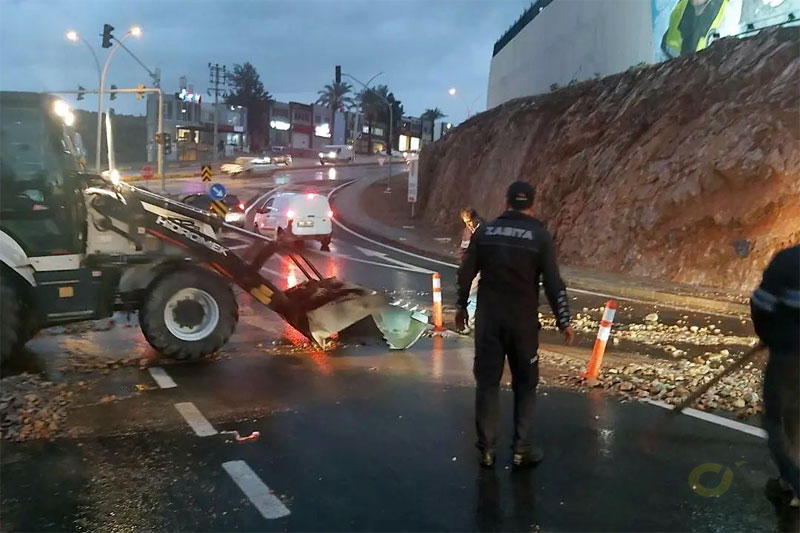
687 170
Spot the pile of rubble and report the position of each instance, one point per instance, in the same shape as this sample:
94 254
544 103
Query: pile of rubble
653 332
32 408
667 381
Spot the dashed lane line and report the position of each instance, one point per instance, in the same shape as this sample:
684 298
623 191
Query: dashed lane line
201 426
256 491
162 378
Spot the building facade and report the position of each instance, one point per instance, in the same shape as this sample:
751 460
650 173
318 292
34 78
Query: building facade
307 126
190 124
558 42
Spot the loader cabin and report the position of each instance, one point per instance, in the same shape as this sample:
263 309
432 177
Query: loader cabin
41 155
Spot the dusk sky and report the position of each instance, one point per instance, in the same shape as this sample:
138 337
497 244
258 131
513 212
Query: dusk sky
423 47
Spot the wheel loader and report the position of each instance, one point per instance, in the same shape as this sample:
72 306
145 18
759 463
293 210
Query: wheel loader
78 246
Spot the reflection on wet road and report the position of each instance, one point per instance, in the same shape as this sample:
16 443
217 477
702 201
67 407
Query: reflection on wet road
360 438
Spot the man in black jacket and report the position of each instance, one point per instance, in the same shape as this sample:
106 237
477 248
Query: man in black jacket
511 253
775 307
472 221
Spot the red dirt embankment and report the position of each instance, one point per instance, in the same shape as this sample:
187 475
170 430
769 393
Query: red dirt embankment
688 170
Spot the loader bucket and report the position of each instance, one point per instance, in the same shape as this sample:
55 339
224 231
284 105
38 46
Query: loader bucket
400 327
321 309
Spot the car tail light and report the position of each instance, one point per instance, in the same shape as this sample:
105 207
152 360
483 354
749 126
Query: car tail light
311 196
290 214
241 206
330 214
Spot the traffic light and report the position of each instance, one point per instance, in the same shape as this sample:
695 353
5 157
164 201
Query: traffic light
113 94
81 92
338 74
107 29
140 91
167 138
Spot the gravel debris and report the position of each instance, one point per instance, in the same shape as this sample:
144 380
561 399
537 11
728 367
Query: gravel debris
664 380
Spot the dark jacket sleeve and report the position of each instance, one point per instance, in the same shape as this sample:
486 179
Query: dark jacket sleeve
468 269
463 244
765 298
554 287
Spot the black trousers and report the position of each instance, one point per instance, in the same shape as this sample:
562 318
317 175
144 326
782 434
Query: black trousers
781 418
503 330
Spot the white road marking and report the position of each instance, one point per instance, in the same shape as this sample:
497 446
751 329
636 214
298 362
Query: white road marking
383 257
195 419
162 378
398 265
256 491
714 419
274 190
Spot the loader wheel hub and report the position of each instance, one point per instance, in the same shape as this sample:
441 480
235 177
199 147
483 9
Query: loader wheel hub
191 314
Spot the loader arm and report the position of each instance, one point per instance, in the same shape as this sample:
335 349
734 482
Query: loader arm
319 308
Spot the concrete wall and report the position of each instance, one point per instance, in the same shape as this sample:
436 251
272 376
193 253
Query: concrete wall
571 39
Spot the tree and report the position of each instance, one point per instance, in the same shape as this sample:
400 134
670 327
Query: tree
373 105
431 115
337 97
248 91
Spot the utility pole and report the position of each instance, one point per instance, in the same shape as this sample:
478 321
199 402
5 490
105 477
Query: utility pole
219 76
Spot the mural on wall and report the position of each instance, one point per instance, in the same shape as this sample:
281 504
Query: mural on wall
687 26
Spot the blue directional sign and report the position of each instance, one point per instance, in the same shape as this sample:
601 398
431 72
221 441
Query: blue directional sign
217 191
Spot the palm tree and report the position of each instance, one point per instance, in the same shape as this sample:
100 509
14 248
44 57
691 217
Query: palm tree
337 97
431 115
371 105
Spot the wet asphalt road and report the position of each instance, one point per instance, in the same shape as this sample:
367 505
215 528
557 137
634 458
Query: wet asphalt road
362 438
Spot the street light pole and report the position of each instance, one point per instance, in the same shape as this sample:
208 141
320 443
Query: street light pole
454 92
133 31
157 90
73 36
391 122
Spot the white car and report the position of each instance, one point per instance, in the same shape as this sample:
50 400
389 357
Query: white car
333 153
248 164
301 216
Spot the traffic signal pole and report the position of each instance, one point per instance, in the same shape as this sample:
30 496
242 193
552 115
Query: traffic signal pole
99 146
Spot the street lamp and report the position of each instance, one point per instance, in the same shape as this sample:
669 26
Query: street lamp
452 91
73 36
391 121
136 31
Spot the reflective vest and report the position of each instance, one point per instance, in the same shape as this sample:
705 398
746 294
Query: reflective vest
673 40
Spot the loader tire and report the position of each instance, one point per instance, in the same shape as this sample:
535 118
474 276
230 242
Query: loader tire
188 313
12 326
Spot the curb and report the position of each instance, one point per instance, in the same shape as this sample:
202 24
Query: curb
695 303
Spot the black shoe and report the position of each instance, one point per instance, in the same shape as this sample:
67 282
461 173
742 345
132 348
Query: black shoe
528 458
780 492
487 459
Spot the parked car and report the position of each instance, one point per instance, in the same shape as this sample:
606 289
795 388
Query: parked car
236 207
333 153
248 164
280 155
302 216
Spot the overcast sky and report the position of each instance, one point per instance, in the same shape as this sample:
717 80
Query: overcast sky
423 47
